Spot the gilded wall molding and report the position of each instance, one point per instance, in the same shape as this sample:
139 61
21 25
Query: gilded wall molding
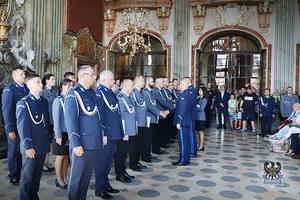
82 45
232 14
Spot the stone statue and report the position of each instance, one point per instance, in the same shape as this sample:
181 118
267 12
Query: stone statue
16 49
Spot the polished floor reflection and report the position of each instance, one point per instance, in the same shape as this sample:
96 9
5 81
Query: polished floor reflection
231 167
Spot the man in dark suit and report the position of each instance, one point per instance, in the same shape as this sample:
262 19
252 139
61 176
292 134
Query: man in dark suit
12 93
83 124
33 126
222 99
183 121
112 132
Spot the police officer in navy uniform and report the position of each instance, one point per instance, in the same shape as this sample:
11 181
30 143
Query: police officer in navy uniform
267 111
175 90
183 121
153 114
83 122
170 130
33 126
161 104
129 124
12 93
141 118
112 132
193 101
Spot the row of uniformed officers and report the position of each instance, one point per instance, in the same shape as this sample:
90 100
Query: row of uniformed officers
101 124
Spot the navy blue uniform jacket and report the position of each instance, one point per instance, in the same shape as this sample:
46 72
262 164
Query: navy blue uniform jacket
82 118
33 124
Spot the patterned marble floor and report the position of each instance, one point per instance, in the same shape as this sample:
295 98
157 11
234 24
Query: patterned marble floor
229 168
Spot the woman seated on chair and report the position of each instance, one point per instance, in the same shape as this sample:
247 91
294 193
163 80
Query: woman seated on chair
284 129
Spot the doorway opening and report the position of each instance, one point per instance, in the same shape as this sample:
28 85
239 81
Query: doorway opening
233 59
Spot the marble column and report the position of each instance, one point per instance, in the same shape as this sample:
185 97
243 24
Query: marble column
182 48
284 46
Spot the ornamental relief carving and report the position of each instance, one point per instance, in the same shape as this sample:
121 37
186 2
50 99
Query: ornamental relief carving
232 14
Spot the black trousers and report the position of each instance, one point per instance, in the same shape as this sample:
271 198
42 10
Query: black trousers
158 134
266 123
295 143
208 115
136 146
147 143
120 156
223 111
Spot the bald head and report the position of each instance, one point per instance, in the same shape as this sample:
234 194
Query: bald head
184 84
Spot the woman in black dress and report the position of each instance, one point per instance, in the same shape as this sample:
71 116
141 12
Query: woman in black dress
60 149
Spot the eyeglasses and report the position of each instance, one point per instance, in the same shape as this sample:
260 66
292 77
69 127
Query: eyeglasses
93 75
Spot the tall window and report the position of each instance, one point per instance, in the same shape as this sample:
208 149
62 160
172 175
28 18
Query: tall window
151 64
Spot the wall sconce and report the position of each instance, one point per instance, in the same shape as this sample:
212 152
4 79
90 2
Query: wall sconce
48 61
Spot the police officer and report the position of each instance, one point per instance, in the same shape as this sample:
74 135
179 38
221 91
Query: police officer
161 104
193 101
175 90
33 126
267 110
112 131
153 114
287 101
12 93
130 131
140 113
83 124
183 121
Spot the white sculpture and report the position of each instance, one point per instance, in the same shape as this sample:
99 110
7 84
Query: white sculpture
15 49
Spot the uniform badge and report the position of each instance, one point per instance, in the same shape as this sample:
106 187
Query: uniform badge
36 116
88 108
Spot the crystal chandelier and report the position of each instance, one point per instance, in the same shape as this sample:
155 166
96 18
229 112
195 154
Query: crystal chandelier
134 42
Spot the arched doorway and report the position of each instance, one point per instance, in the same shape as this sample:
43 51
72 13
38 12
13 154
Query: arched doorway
153 63
231 58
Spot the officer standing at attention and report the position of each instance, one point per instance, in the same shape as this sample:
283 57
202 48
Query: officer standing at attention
112 131
12 93
130 130
161 104
183 121
175 90
33 126
153 113
193 101
141 118
83 123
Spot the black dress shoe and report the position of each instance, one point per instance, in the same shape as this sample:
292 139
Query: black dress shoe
158 152
193 155
136 168
104 195
14 182
112 190
141 166
123 179
179 164
147 160
225 127
59 185
129 176
152 157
